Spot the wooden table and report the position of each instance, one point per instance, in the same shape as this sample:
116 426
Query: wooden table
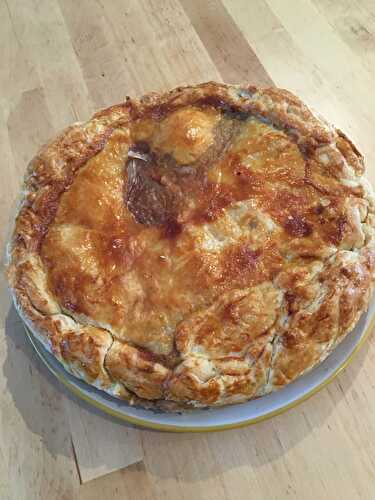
63 59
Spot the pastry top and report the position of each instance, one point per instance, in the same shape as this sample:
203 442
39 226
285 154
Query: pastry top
203 247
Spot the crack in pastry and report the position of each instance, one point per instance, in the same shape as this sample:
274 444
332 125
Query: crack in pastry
196 248
147 199
158 171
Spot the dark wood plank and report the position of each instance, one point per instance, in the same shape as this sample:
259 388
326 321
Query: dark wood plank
225 43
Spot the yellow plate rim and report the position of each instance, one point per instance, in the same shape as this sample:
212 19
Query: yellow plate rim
174 428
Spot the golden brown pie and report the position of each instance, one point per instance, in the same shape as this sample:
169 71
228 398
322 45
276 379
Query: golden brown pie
204 247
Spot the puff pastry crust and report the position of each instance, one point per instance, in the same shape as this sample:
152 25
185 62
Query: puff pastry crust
201 247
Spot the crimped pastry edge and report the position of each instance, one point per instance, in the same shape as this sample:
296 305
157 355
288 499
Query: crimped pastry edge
29 314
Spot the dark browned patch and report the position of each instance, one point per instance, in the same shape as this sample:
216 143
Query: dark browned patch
290 300
172 228
317 210
241 260
70 306
296 225
159 190
231 312
160 111
215 204
148 200
290 339
214 101
336 229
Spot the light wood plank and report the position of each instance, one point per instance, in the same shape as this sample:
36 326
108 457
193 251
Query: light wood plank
354 22
101 444
104 64
35 450
28 123
127 484
225 43
172 53
40 30
36 456
17 73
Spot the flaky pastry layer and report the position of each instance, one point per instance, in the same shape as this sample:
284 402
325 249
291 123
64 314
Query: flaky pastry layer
201 247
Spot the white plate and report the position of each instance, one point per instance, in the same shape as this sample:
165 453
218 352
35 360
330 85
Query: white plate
228 417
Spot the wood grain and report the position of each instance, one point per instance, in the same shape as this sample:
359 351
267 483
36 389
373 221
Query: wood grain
28 122
63 59
101 445
225 44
